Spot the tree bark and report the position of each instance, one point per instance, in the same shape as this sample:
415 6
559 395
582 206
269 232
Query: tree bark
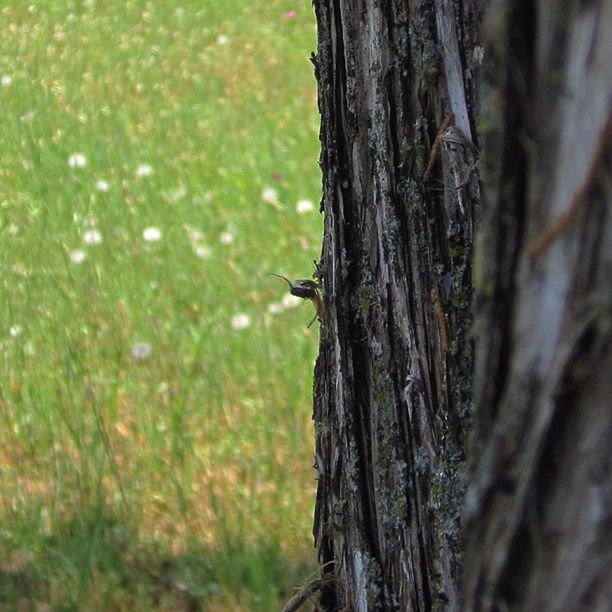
393 378
539 503
399 395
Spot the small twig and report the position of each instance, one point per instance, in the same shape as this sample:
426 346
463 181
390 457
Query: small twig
448 121
303 595
311 587
307 591
564 220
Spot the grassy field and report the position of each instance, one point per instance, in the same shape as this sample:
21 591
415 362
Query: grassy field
157 159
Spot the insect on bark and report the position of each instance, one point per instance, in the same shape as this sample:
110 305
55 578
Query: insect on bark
305 289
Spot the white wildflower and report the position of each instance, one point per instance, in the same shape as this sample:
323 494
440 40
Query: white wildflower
194 235
15 331
144 170
269 195
304 206
222 39
6 80
77 160
141 351
291 301
203 251
78 256
92 237
13 228
151 234
226 238
275 308
240 321
102 186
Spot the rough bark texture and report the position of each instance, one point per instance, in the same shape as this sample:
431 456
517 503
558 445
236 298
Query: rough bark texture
539 506
392 383
393 393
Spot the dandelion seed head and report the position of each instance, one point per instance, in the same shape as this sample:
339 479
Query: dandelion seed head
92 236
275 308
304 206
141 351
203 251
144 170
194 235
151 234
240 321
77 160
269 195
226 238
78 256
291 301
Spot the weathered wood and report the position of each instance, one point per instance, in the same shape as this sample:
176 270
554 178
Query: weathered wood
393 386
392 382
539 502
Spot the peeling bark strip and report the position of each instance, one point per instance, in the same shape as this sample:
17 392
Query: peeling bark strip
540 497
392 383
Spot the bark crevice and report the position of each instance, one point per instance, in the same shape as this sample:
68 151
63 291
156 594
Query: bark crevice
395 263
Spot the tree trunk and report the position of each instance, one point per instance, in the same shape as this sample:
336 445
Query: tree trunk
393 382
539 504
393 378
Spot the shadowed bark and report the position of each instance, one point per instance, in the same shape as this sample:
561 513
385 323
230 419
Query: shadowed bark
539 504
392 392
399 397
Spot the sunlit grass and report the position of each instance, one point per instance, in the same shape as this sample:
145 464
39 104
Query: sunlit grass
156 161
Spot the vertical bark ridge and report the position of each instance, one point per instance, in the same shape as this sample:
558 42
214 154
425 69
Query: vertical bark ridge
392 382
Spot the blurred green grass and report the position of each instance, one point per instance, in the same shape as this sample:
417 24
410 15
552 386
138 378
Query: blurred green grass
155 434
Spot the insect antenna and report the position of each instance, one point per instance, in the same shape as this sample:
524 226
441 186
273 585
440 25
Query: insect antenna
283 277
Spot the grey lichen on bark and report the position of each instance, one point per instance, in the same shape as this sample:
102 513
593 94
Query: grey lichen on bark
393 379
393 386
